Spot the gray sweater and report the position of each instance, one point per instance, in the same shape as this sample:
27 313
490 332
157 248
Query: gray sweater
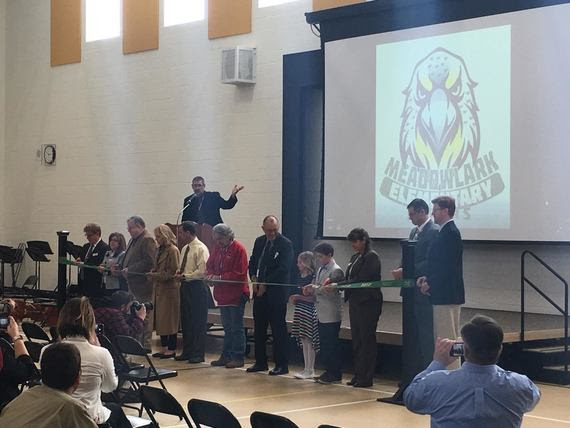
329 303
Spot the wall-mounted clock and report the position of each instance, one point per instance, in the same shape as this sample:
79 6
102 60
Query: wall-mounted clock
48 154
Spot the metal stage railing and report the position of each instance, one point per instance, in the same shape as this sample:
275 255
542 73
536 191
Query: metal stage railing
564 312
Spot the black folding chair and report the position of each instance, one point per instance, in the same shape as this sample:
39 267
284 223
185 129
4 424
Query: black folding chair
34 349
141 376
156 400
268 420
211 414
34 331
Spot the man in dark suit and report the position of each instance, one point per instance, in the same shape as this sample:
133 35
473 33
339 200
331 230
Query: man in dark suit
92 254
418 311
443 279
271 261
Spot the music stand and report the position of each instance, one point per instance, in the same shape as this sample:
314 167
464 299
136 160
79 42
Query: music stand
37 251
13 256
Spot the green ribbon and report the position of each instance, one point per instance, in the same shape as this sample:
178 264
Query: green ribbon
390 283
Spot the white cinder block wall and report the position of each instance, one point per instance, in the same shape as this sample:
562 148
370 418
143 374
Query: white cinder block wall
131 131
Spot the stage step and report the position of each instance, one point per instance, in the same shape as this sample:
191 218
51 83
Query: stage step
554 374
547 356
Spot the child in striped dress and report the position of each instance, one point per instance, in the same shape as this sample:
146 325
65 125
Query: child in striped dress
305 324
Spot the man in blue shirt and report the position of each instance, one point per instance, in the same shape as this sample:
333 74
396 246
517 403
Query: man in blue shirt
480 393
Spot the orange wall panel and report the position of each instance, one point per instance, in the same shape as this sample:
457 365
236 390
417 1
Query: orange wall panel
140 25
329 4
228 18
65 32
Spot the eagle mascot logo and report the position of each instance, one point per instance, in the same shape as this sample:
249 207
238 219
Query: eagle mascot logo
440 127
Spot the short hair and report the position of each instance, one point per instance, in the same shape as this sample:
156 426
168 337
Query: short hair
484 338
138 220
92 229
270 216
163 231
119 237
76 318
445 202
419 205
60 365
190 227
324 248
360 234
223 229
120 298
307 258
198 178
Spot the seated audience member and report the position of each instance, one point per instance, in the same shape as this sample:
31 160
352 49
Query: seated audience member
113 280
76 325
228 262
114 312
51 405
480 393
16 366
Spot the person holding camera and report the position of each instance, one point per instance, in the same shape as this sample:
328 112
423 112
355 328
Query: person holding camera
480 393
16 366
121 315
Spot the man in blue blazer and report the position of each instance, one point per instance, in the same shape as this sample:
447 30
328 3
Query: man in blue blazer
443 279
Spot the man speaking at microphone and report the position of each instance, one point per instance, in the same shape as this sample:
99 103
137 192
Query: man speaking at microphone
203 208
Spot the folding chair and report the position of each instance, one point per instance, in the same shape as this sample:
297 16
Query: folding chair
211 414
34 331
156 400
141 376
34 349
268 420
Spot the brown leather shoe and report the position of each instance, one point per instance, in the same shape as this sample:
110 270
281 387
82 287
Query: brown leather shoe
234 364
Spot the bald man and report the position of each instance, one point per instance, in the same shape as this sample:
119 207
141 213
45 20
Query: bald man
271 261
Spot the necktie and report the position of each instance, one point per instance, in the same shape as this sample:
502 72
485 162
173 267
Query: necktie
89 252
267 244
416 234
184 259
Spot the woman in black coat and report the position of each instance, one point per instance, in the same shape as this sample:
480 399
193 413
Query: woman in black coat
365 307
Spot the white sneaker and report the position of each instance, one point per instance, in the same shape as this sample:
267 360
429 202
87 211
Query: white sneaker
305 374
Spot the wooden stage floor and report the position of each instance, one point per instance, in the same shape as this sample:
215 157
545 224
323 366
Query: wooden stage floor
389 330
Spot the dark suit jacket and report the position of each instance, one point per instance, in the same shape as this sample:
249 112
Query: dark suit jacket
365 268
275 265
207 210
91 282
444 270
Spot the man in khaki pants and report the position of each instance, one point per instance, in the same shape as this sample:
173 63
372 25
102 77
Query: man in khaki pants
139 260
443 281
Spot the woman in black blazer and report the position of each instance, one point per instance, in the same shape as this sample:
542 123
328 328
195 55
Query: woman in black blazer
365 307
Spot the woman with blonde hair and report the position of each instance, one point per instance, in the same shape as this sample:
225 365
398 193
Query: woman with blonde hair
305 324
76 325
166 291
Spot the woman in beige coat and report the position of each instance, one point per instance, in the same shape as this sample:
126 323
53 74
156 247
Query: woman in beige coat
167 300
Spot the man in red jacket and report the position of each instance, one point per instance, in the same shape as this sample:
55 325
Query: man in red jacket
228 262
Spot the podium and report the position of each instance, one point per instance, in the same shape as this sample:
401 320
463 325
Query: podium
417 327
204 233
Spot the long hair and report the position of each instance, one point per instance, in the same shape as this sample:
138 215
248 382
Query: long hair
360 234
307 259
164 236
76 318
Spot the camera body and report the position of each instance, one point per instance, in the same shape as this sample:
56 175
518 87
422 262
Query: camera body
457 350
136 306
99 329
5 312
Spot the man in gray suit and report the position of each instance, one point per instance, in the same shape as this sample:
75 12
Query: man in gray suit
420 331
139 260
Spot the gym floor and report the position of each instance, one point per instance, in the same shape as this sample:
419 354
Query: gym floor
309 404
